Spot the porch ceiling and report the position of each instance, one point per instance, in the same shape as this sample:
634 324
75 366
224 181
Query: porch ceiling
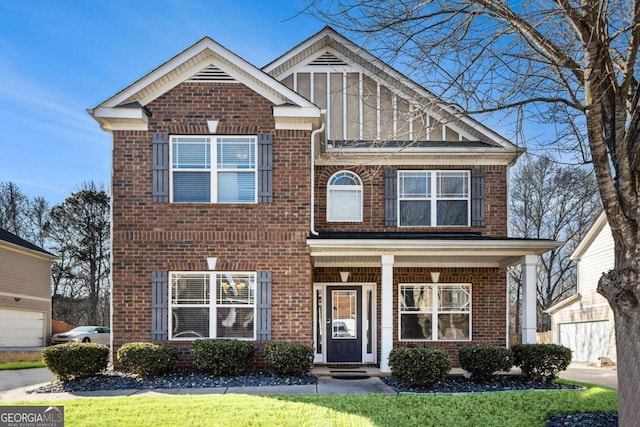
425 253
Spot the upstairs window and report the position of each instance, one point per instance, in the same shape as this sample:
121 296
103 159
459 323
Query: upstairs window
344 197
213 169
433 198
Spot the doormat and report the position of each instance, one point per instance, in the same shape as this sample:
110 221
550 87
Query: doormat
350 377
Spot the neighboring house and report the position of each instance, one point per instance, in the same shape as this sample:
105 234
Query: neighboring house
25 293
584 321
324 199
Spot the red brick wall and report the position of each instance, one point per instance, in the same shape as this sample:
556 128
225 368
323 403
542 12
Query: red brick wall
150 236
373 201
488 305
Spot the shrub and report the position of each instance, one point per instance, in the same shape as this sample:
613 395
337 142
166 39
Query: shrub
482 361
289 359
147 359
422 366
222 358
541 362
76 360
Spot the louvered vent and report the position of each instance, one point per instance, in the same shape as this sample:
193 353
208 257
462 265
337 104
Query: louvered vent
212 74
327 58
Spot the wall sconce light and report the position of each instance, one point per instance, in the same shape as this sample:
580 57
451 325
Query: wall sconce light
211 263
344 276
17 299
435 276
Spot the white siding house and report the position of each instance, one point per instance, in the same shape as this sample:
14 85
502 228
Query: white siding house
584 321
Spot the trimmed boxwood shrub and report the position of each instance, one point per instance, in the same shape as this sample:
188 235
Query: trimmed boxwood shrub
289 359
76 360
222 358
147 359
482 361
423 366
541 362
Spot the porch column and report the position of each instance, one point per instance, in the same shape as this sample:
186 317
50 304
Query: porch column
529 298
386 315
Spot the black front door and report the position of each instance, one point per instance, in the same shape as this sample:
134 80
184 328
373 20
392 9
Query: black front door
344 324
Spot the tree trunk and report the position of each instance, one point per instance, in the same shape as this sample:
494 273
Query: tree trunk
620 288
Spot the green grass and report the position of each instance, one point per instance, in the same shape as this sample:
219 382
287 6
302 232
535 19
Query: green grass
8 366
529 408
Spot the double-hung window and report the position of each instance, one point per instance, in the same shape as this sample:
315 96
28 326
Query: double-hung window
212 305
213 169
433 198
435 312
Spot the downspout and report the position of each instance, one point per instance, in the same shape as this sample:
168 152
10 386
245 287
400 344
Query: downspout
313 179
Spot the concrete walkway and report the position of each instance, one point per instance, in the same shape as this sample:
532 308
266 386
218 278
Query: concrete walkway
14 386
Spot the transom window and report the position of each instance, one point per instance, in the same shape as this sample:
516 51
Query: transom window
435 312
433 198
344 197
212 305
213 169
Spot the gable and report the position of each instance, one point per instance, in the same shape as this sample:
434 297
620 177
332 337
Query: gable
204 62
366 100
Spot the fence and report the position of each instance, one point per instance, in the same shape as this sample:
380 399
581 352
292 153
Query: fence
541 338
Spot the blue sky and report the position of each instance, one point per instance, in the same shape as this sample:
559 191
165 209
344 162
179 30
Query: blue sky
58 58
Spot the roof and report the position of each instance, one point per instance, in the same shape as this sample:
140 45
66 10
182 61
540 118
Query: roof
13 240
204 60
413 249
591 235
328 38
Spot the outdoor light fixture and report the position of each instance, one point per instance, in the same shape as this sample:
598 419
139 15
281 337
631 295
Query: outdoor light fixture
435 276
17 299
344 276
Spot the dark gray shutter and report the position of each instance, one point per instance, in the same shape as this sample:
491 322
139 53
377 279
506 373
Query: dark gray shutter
477 198
160 192
265 168
391 197
159 314
263 306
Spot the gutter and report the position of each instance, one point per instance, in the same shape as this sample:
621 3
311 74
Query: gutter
312 225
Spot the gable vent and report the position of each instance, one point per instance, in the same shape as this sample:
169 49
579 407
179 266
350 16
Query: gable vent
212 74
327 58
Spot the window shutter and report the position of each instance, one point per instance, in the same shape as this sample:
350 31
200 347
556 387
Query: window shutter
391 197
263 306
159 315
477 198
160 191
265 168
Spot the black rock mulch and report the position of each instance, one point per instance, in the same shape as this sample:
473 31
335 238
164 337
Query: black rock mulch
114 380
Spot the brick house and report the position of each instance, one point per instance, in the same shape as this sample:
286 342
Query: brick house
324 199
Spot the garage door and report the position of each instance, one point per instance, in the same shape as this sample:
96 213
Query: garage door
588 340
21 328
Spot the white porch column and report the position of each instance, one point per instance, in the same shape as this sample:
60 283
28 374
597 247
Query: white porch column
386 317
529 298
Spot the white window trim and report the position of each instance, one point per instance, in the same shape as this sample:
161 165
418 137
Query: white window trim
433 198
213 169
434 312
331 188
212 305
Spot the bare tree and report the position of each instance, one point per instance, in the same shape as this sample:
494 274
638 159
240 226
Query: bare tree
550 201
571 62
13 208
80 232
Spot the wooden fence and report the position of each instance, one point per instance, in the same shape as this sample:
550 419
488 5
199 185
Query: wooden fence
541 338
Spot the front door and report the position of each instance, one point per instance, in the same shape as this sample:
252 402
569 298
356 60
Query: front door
344 325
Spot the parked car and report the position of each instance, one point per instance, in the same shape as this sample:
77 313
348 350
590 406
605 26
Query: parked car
94 334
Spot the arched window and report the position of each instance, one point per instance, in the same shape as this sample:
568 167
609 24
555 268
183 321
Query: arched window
344 197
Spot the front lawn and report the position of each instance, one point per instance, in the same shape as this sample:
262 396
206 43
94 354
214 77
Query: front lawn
528 408
8 366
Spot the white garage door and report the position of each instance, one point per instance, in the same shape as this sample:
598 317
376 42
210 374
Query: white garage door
21 328
588 340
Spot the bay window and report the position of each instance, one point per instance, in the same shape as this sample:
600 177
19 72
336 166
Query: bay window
213 169
212 305
435 312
